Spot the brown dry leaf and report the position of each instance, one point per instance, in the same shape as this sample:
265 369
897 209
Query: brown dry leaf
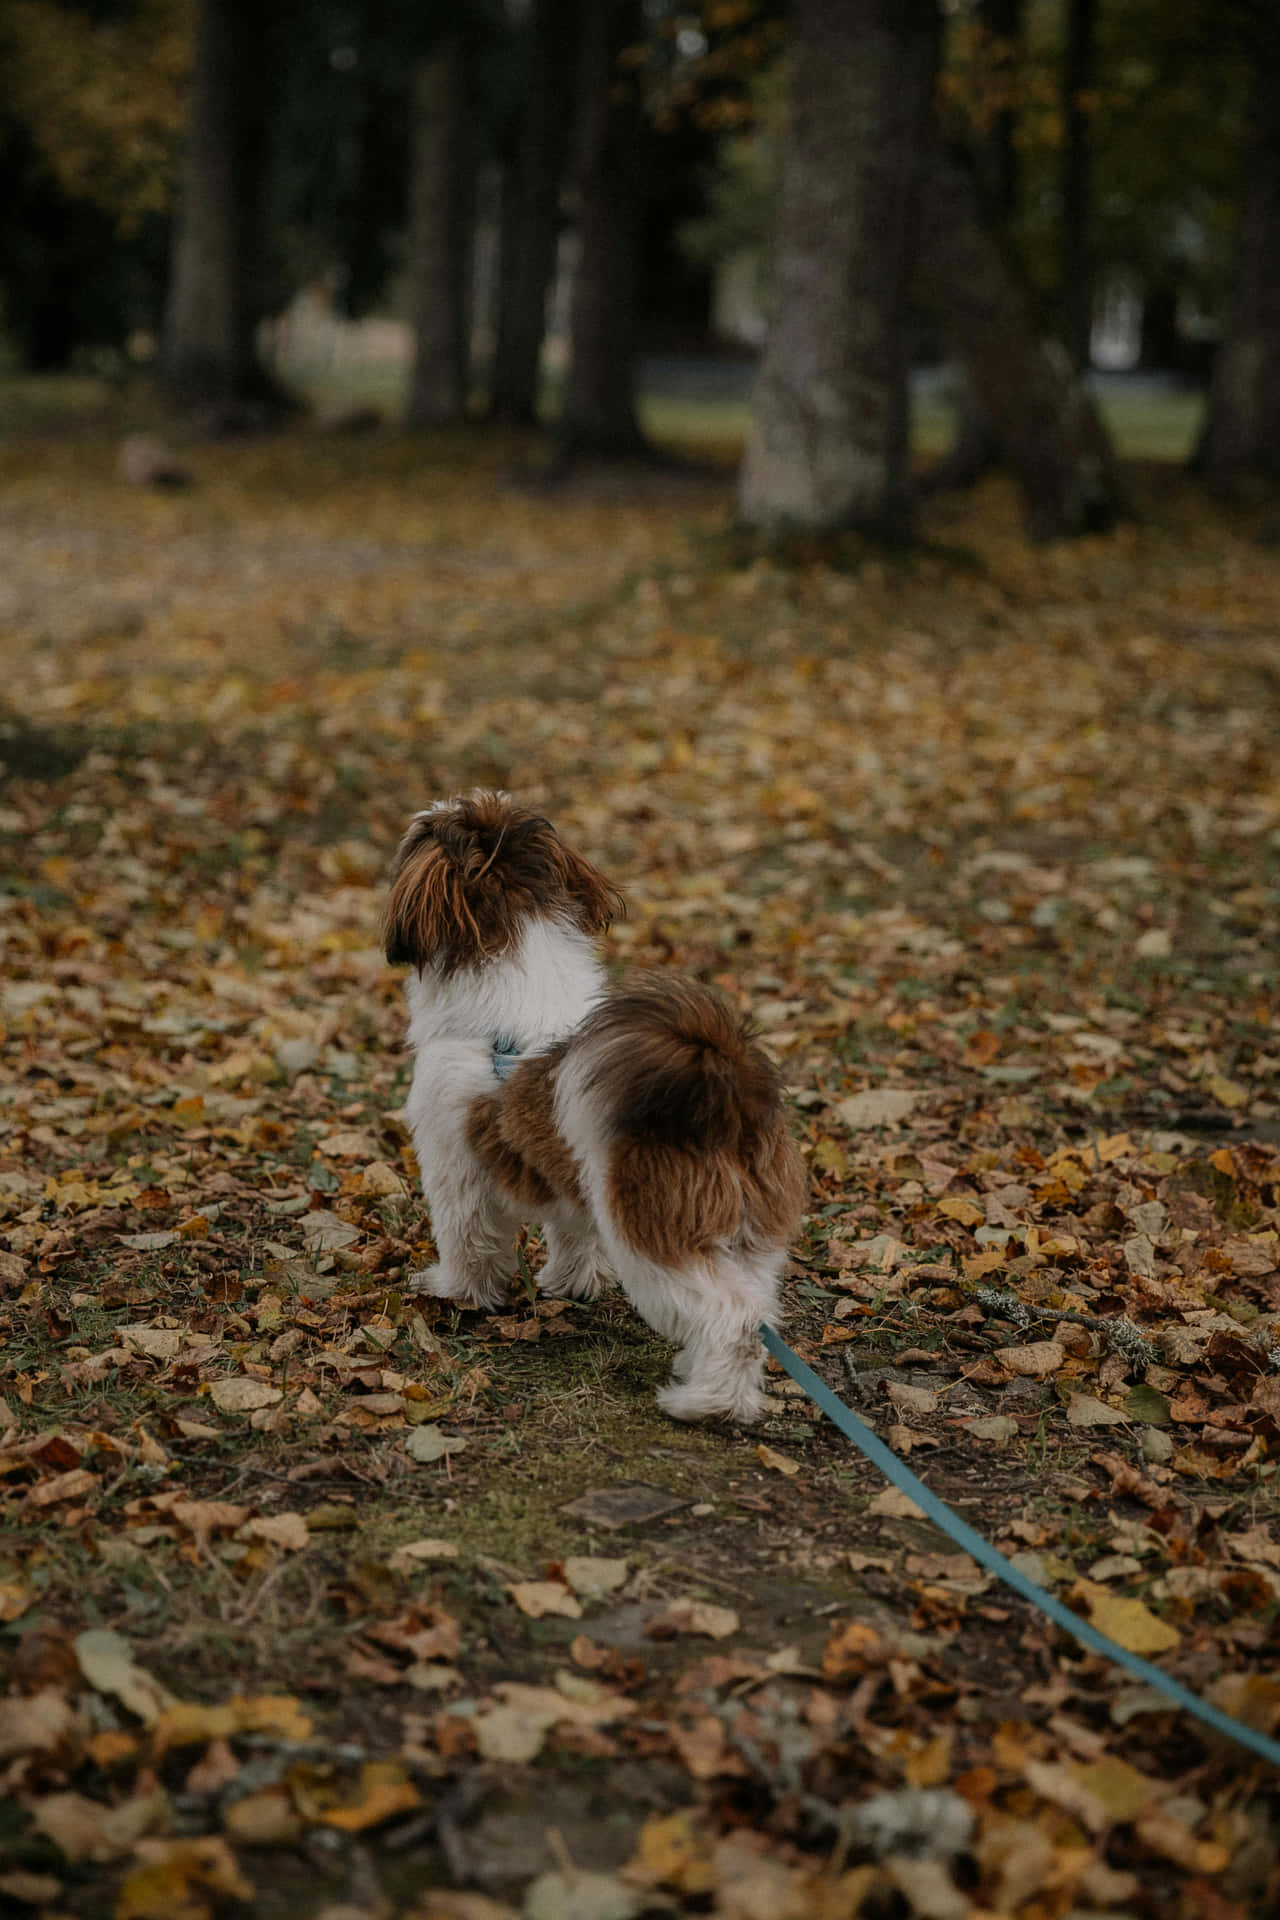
1035 1361
1083 1410
240 1394
702 1748
777 1462
693 1616
516 1727
83 1829
35 1723
268 1818
918 1400
1169 1838
539 1597
107 1663
287 1530
592 1579
890 1504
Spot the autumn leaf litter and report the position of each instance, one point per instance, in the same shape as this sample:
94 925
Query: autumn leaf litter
293 1604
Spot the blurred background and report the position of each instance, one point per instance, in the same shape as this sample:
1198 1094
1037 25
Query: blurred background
1064 215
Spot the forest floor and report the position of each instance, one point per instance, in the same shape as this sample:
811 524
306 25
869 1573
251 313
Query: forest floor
321 1597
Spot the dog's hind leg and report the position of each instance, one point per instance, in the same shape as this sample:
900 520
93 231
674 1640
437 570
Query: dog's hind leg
576 1266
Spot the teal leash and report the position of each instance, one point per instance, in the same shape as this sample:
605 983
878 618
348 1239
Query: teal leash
987 1556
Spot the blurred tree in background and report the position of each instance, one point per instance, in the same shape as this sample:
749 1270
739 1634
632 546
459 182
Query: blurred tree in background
184 168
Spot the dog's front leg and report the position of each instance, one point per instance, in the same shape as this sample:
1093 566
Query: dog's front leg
473 1222
474 1231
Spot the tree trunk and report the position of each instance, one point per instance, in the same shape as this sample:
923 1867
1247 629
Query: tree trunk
1036 407
207 354
1001 162
599 413
1241 440
531 209
828 447
1075 248
439 181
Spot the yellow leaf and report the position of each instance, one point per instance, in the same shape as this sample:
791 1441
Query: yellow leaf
777 1462
674 1851
1130 1623
173 1882
385 1789
929 1765
967 1212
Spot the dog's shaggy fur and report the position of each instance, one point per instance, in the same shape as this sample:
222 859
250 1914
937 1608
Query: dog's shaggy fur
640 1124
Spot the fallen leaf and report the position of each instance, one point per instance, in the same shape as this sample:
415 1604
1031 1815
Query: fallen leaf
1084 1411
1130 1623
877 1107
427 1444
107 1663
592 1579
1035 1361
777 1462
693 1616
539 1597
240 1394
383 1789
175 1876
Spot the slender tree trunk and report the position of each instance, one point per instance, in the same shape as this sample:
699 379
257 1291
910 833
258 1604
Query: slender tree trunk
1001 163
1241 440
439 199
1037 408
1075 248
531 209
599 414
828 447
207 348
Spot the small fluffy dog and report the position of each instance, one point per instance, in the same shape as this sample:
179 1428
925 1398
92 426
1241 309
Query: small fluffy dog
639 1124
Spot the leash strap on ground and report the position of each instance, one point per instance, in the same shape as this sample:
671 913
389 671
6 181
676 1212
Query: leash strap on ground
987 1556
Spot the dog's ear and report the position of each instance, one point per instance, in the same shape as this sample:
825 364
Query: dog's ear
426 918
598 901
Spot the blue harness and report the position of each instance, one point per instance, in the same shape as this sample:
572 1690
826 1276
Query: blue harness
506 1056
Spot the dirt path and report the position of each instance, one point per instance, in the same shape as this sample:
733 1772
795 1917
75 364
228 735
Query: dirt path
988 840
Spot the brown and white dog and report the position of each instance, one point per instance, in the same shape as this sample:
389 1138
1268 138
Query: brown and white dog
639 1124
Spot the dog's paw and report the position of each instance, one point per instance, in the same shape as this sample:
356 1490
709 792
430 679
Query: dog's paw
684 1402
570 1283
440 1285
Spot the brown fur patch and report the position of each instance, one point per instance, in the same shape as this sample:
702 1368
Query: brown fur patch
514 1174
676 1067
514 1133
468 877
529 1126
671 1203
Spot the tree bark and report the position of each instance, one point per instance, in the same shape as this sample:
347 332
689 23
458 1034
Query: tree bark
439 198
1241 440
1037 408
828 447
531 209
1075 248
599 412
207 353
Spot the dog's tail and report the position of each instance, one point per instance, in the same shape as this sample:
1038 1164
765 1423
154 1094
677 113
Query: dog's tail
699 1149
674 1066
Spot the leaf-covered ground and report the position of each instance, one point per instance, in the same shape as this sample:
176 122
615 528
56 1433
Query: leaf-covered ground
314 1592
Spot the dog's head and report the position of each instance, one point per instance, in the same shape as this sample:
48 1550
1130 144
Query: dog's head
471 873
